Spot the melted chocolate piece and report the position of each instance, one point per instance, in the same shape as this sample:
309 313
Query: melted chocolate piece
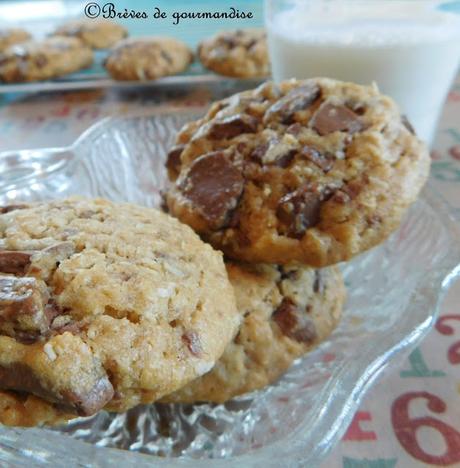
233 126
299 210
323 161
9 208
318 285
192 341
297 99
14 262
173 162
24 314
330 118
293 323
214 186
19 377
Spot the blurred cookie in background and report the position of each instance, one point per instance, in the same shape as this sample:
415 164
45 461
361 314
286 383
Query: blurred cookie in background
42 60
240 53
95 33
148 58
10 36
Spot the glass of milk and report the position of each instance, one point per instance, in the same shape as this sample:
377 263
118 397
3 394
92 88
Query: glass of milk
410 48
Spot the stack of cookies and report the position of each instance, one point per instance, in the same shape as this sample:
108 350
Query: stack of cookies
107 306
289 180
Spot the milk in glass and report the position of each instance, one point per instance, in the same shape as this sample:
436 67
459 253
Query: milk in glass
411 49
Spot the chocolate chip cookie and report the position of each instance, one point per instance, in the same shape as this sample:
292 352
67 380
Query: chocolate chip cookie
312 171
97 33
286 312
242 53
42 60
148 58
104 305
10 36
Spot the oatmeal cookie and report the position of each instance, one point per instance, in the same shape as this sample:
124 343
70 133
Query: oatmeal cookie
97 33
10 36
104 305
241 53
286 312
148 58
313 171
42 60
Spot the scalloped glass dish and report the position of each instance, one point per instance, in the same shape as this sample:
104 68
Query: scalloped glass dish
394 293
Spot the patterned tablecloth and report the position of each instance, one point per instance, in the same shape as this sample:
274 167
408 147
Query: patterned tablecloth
411 416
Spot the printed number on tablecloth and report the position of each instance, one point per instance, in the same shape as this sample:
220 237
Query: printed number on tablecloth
406 428
453 355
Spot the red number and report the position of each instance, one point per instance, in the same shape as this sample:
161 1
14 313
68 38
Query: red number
355 432
442 327
406 428
453 355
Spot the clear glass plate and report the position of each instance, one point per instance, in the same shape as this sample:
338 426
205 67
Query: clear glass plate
394 294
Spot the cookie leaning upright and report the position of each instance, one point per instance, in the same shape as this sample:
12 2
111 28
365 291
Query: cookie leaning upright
312 171
104 305
286 312
148 58
242 53
42 60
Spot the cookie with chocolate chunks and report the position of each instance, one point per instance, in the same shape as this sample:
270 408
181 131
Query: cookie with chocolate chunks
148 58
104 306
325 170
286 312
44 59
240 53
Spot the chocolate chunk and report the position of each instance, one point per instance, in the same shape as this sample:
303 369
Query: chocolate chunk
405 121
23 308
274 152
233 126
259 151
330 118
192 341
214 186
45 262
347 193
293 323
285 273
318 285
297 99
90 403
41 61
20 377
299 210
14 262
173 162
285 159
323 161
166 56
9 208
294 129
